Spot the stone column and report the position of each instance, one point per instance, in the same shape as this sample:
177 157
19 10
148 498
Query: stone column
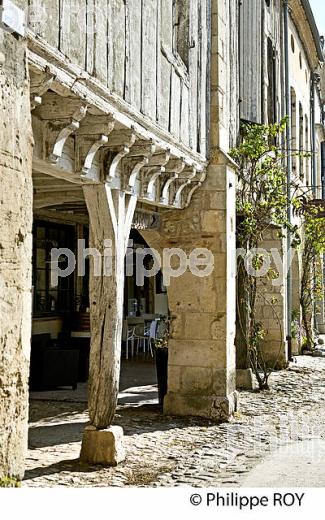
201 365
16 215
201 375
320 304
296 310
271 304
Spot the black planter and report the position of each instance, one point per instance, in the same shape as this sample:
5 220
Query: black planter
162 373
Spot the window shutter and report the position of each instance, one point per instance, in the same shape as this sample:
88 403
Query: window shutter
251 60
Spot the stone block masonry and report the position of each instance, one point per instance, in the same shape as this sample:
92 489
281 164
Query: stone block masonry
16 144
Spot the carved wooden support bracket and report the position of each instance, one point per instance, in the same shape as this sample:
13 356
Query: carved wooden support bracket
147 153
37 90
154 173
101 131
123 152
196 186
66 132
35 101
92 152
178 196
91 155
177 169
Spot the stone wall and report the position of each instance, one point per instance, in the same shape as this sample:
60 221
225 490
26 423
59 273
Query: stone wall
15 252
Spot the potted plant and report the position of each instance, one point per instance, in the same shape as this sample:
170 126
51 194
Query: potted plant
161 349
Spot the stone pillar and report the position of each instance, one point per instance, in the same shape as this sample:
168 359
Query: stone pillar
320 302
296 310
271 304
201 365
201 374
244 374
15 252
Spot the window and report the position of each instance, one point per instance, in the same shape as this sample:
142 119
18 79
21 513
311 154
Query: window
181 29
271 72
250 59
307 149
293 146
47 299
301 142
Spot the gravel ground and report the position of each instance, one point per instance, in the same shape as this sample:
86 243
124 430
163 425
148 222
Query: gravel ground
169 451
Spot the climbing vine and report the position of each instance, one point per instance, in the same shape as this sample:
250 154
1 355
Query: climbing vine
313 247
262 203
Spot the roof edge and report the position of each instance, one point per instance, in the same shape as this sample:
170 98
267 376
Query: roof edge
314 29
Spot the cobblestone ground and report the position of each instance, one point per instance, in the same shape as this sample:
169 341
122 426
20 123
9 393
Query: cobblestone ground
165 451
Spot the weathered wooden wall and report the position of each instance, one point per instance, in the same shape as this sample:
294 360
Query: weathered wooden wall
130 46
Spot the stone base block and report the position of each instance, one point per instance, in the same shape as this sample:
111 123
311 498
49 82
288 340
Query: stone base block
275 354
245 379
102 446
295 349
208 406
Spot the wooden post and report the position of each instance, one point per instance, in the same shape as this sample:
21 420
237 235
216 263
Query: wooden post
110 213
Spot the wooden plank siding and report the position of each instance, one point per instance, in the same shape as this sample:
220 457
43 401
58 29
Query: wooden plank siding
73 40
44 20
130 47
133 81
149 57
102 58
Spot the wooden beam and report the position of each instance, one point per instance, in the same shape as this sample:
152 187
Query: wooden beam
61 217
110 214
55 198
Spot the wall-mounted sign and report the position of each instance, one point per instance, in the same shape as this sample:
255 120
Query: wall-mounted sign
144 219
12 18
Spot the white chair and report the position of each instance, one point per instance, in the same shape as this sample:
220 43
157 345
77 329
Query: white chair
149 335
128 337
141 336
152 333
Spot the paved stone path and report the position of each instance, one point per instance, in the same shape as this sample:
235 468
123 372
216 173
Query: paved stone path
166 451
297 464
